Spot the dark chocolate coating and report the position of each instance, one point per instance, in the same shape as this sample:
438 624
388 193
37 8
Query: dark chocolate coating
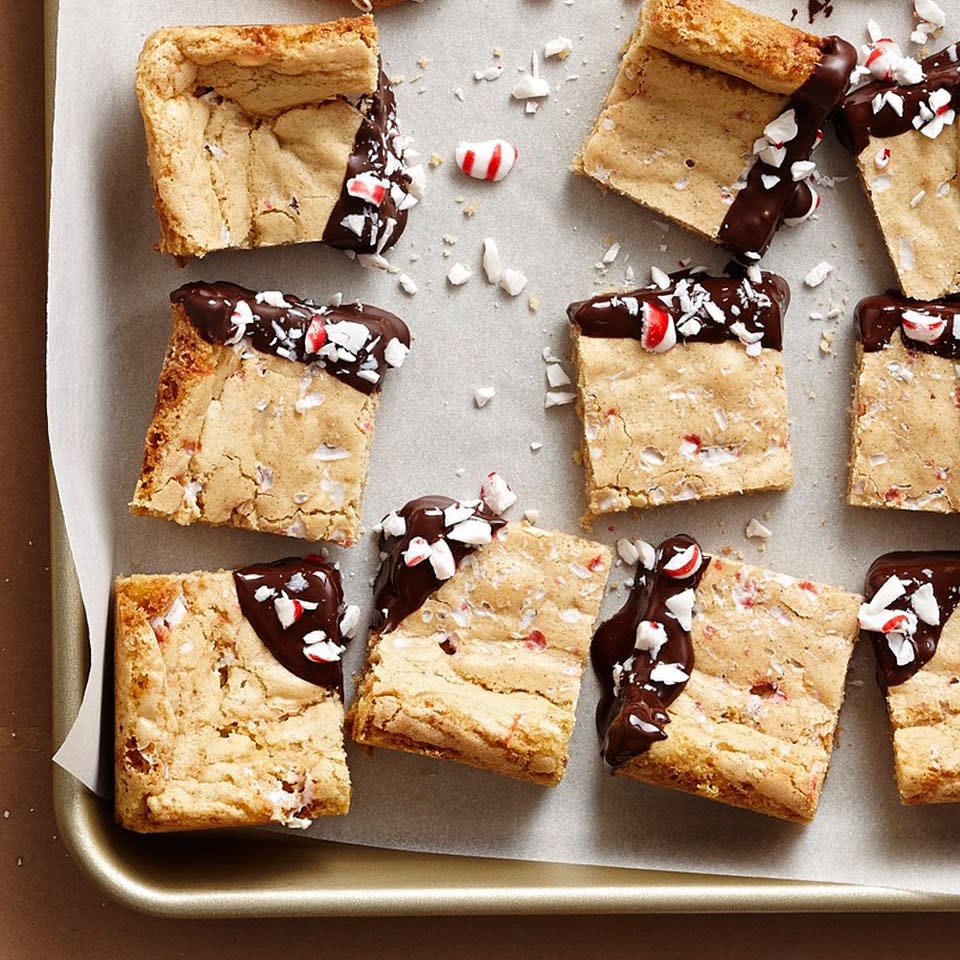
914 568
879 318
281 330
399 590
373 152
614 642
856 122
762 309
323 588
757 212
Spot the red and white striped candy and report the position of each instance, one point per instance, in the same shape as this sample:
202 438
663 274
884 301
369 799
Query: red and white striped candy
685 563
316 335
882 60
659 333
367 187
487 160
922 326
417 551
288 611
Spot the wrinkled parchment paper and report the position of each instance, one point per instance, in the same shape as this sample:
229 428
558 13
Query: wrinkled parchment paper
109 323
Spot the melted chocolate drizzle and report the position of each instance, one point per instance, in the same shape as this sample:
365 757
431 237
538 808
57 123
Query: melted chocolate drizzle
941 569
282 330
879 318
856 120
376 150
632 714
757 212
759 307
318 582
399 590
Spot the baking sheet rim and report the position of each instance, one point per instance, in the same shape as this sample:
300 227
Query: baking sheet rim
85 821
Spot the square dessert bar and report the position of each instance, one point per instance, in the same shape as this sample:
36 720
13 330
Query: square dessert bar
900 127
712 119
229 694
264 135
681 390
905 446
910 618
265 410
480 639
725 681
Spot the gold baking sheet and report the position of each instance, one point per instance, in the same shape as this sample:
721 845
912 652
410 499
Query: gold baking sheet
256 873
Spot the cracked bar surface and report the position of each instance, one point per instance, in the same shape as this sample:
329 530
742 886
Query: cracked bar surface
915 632
252 439
487 670
252 131
211 729
905 433
732 76
754 725
696 421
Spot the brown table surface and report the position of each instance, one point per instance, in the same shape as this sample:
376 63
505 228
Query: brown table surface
47 907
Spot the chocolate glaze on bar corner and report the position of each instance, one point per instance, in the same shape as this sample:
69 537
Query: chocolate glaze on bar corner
757 210
856 120
375 151
400 589
759 307
879 317
314 584
285 331
632 711
941 569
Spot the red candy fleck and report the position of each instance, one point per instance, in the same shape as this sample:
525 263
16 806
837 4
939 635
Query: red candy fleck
898 620
694 439
316 335
892 494
596 563
535 641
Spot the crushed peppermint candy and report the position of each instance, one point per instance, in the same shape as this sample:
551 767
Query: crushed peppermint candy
483 395
492 266
531 85
496 493
513 281
561 48
756 530
458 274
817 274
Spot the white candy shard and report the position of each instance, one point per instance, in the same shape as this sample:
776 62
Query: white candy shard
782 129
472 531
648 554
529 87
350 621
901 648
496 493
818 274
561 47
557 398
489 160
458 274
755 529
327 453
417 551
802 169
513 281
395 352
651 636
629 553
925 605
322 651
393 525
669 674
681 606
441 560
407 284
557 376
483 395
492 267
286 611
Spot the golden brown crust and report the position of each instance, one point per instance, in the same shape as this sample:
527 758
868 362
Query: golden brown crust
211 730
905 437
754 726
723 36
497 701
228 443
258 159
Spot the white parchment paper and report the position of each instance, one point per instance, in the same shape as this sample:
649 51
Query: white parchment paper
109 323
